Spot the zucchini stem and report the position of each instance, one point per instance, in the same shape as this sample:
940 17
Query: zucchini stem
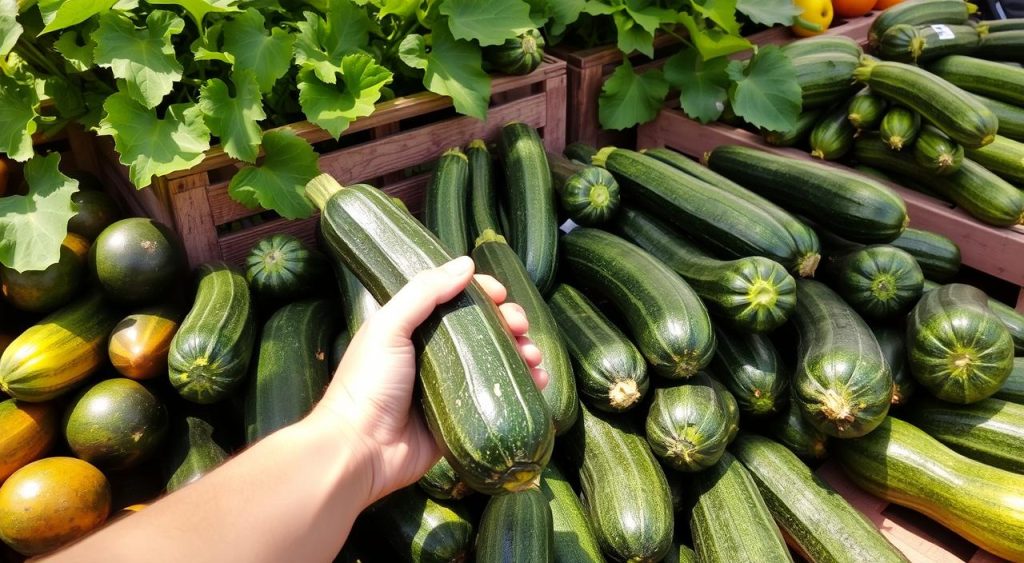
622 394
321 188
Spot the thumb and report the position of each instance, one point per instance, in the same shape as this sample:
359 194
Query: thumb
408 308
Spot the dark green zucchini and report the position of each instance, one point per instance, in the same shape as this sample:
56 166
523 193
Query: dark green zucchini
891 339
1001 45
986 78
518 55
730 521
533 225
1013 388
818 519
624 489
878 281
483 198
666 319
210 353
732 407
935 151
822 44
469 353
752 293
516 527
611 374
357 302
899 127
193 452
825 78
1013 320
842 382
832 136
750 367
999 26
1011 117
990 431
446 201
957 348
921 43
938 256
580 152
680 553
494 257
687 425
441 482
419 529
282 267
588 194
866 110
854 206
574 540
804 124
919 12
1004 157
792 430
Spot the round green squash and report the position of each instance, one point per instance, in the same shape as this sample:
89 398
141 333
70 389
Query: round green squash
934 150
137 261
441 482
688 425
751 369
878 281
44 291
899 127
518 55
96 211
282 267
866 110
590 197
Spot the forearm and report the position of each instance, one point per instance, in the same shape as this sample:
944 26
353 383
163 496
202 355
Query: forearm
291 497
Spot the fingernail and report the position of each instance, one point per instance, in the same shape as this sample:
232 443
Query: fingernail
459 266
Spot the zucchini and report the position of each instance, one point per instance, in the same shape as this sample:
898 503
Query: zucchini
806 240
987 78
516 527
680 553
878 281
938 256
420 529
866 110
821 523
611 374
751 369
1004 157
518 55
752 293
892 340
723 220
990 431
822 44
624 490
999 26
574 541
533 223
588 194
907 43
832 137
483 197
825 78
1011 117
441 482
358 304
804 124
957 348
281 267
730 521
1013 388
901 464
977 191
291 369
919 12
687 425
469 357
732 407
211 351
494 257
446 201
1001 45
668 322
1013 320
580 152
842 382
193 453
59 352
935 151
798 435
943 104
854 206
899 127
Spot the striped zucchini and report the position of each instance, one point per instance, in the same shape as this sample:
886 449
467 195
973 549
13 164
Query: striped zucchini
446 202
211 351
938 256
687 425
30 431
821 523
891 339
483 197
804 124
494 257
752 293
611 374
1012 320
192 453
878 281
899 127
986 78
730 521
1001 45
533 225
999 26
624 490
866 110
580 152
668 322
1004 157
420 529
935 151
751 369
358 304
990 431
469 358
59 352
822 44
921 43
441 482
516 527
825 78
680 553
732 407
588 194
832 136
854 206
574 540
919 12
798 435
842 382
1011 117
806 240
1013 388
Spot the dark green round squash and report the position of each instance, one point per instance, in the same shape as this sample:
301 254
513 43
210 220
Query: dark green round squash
44 291
688 425
934 150
137 261
792 430
751 369
96 211
879 281
519 55
282 267
590 197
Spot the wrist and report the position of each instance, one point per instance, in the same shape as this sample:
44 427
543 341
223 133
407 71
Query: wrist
345 456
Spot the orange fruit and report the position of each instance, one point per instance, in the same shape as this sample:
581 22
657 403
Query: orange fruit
883 4
852 8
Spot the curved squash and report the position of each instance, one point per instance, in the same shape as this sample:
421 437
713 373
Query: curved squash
29 430
193 453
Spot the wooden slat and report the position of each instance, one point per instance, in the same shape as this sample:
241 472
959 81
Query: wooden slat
554 119
140 203
193 220
412 191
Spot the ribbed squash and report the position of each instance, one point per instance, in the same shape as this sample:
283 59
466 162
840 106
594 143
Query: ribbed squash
193 452
574 539
899 127
518 55
934 150
418 528
441 482
516 527
282 267
29 430
879 281
751 369
687 425
139 343
792 430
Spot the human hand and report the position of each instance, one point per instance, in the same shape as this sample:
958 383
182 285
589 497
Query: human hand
370 397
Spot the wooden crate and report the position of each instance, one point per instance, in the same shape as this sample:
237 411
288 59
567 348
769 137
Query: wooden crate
587 69
992 250
390 149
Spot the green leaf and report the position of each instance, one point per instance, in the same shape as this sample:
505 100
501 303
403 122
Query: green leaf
19 105
401 8
143 58
722 12
59 14
33 226
564 13
268 55
769 12
766 93
649 17
279 182
66 95
712 43
10 29
151 146
234 119
322 43
333 108
631 36
489 22
78 55
199 8
451 68
629 99
703 85
602 8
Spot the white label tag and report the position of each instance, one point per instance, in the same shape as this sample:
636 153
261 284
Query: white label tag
943 31
568 226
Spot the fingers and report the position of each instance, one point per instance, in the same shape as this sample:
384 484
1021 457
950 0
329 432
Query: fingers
515 318
428 289
529 351
540 377
492 287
